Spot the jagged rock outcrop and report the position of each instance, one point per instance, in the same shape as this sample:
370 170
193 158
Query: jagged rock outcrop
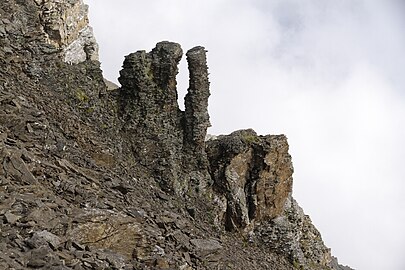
292 233
149 109
252 174
163 138
123 179
66 26
253 179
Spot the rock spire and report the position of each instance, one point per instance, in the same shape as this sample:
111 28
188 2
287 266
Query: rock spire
161 135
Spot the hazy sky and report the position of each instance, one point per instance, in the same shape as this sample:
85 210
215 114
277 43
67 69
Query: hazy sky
327 73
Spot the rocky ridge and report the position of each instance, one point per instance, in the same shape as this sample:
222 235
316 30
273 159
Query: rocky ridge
92 178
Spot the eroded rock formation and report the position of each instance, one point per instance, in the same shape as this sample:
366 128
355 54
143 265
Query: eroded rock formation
196 119
66 26
253 174
123 179
253 181
166 140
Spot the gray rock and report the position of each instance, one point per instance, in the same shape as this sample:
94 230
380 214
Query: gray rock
336 266
293 235
11 218
2 30
39 257
44 238
205 247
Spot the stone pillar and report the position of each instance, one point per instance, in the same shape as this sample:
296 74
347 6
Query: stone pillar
165 140
150 113
196 101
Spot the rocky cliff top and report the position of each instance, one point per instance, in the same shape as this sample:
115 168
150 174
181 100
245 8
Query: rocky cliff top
97 177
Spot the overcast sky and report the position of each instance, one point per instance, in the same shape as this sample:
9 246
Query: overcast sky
327 73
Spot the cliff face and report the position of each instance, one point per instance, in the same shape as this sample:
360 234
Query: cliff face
92 178
66 26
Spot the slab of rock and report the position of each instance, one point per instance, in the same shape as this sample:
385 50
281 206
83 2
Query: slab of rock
206 247
16 166
43 238
11 218
108 230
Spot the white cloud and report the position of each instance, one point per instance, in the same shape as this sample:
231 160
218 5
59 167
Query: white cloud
349 167
326 73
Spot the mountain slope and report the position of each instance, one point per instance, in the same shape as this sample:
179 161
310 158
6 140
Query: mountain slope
92 178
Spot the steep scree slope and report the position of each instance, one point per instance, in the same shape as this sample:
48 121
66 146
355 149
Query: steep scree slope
123 179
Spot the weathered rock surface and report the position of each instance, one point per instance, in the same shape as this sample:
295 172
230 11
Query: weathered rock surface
292 233
123 179
196 118
66 26
252 174
163 138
